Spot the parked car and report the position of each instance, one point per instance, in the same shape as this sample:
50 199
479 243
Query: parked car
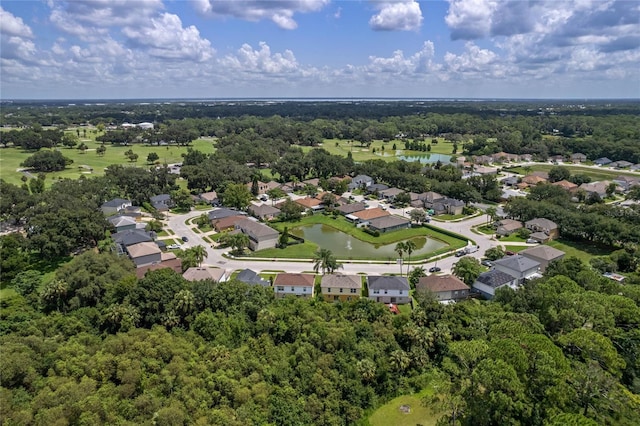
509 253
487 263
460 253
435 269
185 239
173 246
532 241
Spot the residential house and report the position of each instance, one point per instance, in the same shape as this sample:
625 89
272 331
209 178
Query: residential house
360 181
203 273
543 175
503 157
217 214
248 276
340 287
260 235
122 223
390 194
445 205
148 256
483 159
518 266
506 227
114 206
368 214
578 157
556 158
210 198
622 164
132 211
484 170
635 167
547 226
161 202
388 289
376 188
227 223
626 182
543 254
130 237
566 185
488 282
389 223
603 161
299 285
346 209
599 188
310 203
511 181
263 212
533 180
262 187
444 287
312 182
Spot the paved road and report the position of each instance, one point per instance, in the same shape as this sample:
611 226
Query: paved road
215 256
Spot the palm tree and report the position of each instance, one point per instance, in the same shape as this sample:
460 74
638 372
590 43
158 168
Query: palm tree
184 302
400 248
199 254
325 260
409 247
491 214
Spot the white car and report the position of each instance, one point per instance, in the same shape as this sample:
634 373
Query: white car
173 246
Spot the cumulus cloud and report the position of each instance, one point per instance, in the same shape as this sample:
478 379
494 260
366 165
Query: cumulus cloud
250 60
403 15
281 12
419 62
11 25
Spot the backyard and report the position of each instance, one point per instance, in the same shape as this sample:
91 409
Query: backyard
406 410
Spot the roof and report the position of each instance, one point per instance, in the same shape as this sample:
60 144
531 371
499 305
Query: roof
377 187
543 252
565 184
116 202
384 282
438 283
578 155
494 278
369 214
508 223
517 263
388 222
542 223
131 236
251 277
143 249
341 281
351 208
391 192
160 198
308 202
209 196
256 230
540 236
533 180
295 280
228 222
198 274
362 178
602 160
223 212
119 221
264 210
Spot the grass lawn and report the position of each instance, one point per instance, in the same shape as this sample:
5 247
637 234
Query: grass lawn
484 229
390 414
443 217
513 238
305 250
515 248
593 173
10 159
582 250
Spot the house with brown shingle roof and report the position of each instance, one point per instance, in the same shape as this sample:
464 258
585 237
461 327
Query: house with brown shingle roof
299 285
340 287
533 180
199 274
368 214
263 211
310 203
508 226
167 260
566 185
443 287
227 223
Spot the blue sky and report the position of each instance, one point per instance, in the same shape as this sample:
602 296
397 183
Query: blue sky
87 49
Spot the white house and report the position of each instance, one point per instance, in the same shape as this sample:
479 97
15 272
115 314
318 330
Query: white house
299 285
388 289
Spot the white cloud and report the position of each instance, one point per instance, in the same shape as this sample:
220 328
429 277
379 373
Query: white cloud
250 61
13 26
165 37
404 15
281 12
419 62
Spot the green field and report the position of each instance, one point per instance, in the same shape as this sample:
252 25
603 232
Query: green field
390 413
90 163
582 250
595 174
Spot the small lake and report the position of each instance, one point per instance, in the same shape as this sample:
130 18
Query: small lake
345 246
427 158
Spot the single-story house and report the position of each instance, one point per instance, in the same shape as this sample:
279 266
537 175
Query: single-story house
507 226
199 274
217 214
390 194
540 237
144 253
368 214
346 209
310 203
210 198
510 181
360 181
389 223
161 202
602 161
488 282
130 237
533 180
248 276
388 289
626 182
376 188
227 223
264 212
621 164
260 235
518 266
547 226
443 287
578 157
114 206
599 188
122 223
543 254
505 157
484 170
340 287
566 185
299 285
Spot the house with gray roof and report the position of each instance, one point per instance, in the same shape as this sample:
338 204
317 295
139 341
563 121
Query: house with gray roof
444 287
622 164
390 194
519 267
122 223
543 254
161 202
602 161
388 289
376 188
389 223
217 214
346 209
263 212
360 181
488 282
260 235
541 224
251 277
578 157
114 206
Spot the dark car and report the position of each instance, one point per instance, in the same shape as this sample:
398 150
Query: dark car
460 253
510 253
435 269
185 239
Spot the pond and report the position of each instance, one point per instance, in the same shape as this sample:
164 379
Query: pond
427 158
344 246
